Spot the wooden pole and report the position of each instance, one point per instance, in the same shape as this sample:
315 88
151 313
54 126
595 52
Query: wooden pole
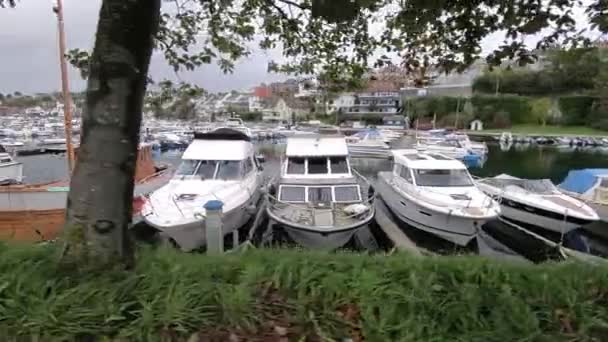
65 87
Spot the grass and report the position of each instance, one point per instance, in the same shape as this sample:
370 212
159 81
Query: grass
549 130
279 295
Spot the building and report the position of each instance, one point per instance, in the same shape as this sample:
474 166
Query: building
284 109
284 89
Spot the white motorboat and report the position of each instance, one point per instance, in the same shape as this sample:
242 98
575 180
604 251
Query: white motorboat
537 203
218 165
368 143
318 198
238 125
480 148
11 171
436 194
449 148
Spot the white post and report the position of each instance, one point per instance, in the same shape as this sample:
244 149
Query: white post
213 227
235 238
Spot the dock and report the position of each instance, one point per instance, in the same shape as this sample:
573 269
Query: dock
392 231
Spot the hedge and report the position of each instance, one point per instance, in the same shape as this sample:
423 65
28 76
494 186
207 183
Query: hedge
517 108
276 295
575 109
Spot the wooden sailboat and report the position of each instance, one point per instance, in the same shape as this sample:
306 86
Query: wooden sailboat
37 212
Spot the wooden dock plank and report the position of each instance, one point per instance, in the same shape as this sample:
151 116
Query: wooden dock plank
392 231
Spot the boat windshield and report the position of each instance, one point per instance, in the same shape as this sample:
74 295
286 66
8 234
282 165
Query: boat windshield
229 170
187 167
442 177
211 169
206 169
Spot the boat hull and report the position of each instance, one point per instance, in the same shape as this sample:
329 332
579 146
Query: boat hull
456 229
37 213
317 240
324 238
192 235
11 172
557 225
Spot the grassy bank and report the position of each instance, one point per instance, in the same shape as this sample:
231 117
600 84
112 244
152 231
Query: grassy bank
278 295
548 130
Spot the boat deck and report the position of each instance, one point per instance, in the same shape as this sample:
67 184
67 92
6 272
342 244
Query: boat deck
305 215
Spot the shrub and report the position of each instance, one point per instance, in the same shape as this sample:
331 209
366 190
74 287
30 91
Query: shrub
517 108
575 109
427 107
501 120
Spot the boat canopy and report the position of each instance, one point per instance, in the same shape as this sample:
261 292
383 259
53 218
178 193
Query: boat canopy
417 160
222 134
369 133
581 181
218 150
316 146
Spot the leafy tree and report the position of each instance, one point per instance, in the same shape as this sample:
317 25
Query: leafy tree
331 37
17 94
541 110
1 97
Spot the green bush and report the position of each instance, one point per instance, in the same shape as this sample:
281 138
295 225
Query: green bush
517 108
598 117
172 296
575 109
427 107
251 116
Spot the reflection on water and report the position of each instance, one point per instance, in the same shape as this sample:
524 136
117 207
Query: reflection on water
540 161
526 161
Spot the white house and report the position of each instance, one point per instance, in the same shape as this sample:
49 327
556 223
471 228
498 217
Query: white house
345 100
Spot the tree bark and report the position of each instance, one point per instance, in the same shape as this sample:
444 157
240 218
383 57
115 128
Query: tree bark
99 205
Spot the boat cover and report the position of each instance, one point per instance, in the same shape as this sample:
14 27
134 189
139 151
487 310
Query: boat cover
369 133
538 186
580 181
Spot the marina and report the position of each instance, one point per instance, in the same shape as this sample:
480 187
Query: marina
316 191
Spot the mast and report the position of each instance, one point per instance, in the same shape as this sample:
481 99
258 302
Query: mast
65 87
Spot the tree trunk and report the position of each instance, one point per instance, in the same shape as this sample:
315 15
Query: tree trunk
101 191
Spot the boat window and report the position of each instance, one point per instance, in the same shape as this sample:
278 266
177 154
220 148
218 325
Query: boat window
442 178
206 169
317 166
406 174
319 194
229 170
347 193
293 194
296 166
604 183
338 165
187 167
247 166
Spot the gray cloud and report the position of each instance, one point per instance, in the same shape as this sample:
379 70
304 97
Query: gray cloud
29 54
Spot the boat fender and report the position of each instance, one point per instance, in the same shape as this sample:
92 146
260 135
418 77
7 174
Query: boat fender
356 209
251 209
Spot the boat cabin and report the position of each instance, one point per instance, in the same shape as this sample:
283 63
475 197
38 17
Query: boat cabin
587 184
430 170
223 154
317 169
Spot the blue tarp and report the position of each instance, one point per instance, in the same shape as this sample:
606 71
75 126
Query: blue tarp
580 181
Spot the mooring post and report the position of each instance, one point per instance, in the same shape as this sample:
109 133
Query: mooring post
235 238
213 227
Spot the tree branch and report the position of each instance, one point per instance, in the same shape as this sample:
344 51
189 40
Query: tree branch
291 3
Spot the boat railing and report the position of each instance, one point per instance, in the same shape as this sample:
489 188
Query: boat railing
274 204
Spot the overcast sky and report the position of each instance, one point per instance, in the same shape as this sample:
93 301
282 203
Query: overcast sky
29 53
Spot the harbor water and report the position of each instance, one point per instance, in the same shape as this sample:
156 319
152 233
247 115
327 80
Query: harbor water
524 161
